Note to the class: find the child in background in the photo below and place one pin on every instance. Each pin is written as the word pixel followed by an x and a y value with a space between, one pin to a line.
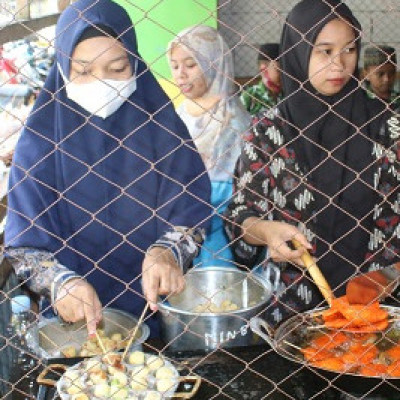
pixel 380 74
pixel 267 92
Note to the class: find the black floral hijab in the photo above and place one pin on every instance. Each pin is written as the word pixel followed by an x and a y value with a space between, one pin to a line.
pixel 333 136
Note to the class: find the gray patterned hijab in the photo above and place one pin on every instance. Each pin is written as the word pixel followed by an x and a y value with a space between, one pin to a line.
pixel 217 132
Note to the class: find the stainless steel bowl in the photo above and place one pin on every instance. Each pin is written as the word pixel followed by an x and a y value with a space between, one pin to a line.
pixel 50 336
pixel 182 328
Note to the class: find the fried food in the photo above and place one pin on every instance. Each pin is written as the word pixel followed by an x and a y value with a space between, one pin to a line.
pixel 91 346
pixel 362 345
pixel 225 306
pixel 355 317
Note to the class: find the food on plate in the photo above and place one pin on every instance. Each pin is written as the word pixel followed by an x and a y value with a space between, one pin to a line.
pixel 102 390
pixel 153 396
pixel 136 357
pixel 75 387
pixel 119 393
pixel 80 396
pixel 165 373
pixel 139 384
pixel 140 371
pixel 154 362
pixel 93 365
pixel 70 352
pixel 165 385
pixel 355 317
pixel 91 346
pixel 225 306
pixel 110 377
pixel 367 354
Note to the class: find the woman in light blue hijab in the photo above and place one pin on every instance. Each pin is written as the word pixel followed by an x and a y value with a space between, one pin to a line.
pixel 202 67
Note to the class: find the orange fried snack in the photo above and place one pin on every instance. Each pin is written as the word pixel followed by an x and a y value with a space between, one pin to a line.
pixel 312 354
pixel 373 369
pixel 394 353
pixel 355 317
pixel 329 341
pixel 332 363
pixel 359 354
pixel 394 369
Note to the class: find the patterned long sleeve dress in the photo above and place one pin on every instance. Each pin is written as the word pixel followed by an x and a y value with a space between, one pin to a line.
pixel 273 185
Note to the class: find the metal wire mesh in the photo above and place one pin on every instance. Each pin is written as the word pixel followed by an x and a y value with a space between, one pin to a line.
pixel 250 368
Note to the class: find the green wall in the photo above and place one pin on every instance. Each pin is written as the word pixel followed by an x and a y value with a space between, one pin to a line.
pixel 157 22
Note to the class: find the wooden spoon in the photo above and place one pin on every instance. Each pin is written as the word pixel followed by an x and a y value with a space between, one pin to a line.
pixel 315 273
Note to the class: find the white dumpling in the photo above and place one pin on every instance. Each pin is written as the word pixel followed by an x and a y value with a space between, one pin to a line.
pixel 165 385
pixel 154 362
pixel 80 396
pixel 136 358
pixel 139 384
pixel 140 371
pixel 119 379
pixel 98 377
pixel 102 390
pixel 153 396
pixel 93 365
pixel 72 375
pixel 165 373
pixel 75 388
pixel 119 393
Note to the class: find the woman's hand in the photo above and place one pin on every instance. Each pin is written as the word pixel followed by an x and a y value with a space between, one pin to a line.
pixel 77 300
pixel 161 275
pixel 275 235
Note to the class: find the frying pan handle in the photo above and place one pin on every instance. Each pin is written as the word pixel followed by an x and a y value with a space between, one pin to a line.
pixel 195 380
pixel 58 368
pixel 258 326
pixel 315 273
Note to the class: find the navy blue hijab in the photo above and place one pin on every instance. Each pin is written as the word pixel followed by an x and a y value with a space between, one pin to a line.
pixel 98 192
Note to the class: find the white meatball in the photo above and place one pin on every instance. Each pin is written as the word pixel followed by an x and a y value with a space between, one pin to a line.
pixel 165 373
pixel 98 377
pixel 136 358
pixel 154 362
pixel 139 384
pixel 165 385
pixel 102 390
pixel 93 366
pixel 153 396
pixel 119 393
pixel 75 388
pixel 80 396
pixel 140 371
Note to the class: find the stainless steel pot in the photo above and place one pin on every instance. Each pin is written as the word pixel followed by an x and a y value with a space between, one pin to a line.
pixel 182 328
pixel 292 334
pixel 49 337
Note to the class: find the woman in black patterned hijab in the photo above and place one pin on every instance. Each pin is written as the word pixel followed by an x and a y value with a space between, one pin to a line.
pixel 310 172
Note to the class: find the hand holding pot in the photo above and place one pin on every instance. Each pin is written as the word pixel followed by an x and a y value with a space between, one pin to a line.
pixel 161 275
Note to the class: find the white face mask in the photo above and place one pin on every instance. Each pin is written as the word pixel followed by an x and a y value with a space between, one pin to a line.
pixel 100 97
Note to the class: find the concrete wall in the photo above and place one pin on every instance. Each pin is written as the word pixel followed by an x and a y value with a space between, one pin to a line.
pixel 245 24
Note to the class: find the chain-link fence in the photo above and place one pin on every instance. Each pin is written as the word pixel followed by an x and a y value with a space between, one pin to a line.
pixel 114 206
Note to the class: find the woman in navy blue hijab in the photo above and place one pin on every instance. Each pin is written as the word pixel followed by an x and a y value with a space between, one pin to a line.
pixel 107 192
